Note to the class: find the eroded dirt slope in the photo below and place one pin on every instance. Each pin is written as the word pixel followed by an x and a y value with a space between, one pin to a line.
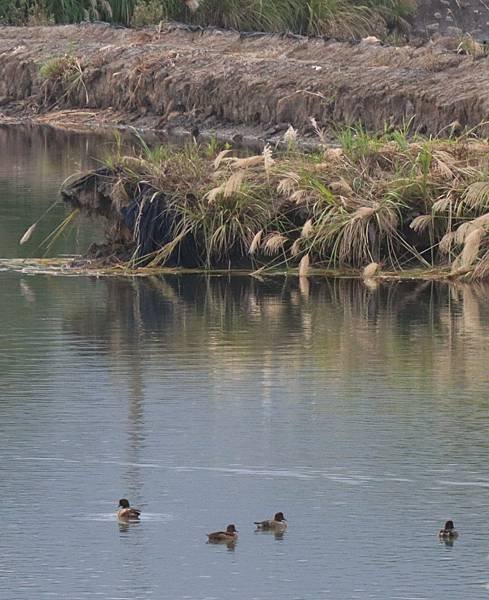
pixel 179 77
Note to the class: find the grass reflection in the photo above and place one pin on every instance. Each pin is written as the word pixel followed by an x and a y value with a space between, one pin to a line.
pixel 433 332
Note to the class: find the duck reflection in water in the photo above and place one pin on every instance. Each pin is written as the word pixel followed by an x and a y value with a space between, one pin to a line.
pixel 123 527
pixel 230 544
pixel 126 526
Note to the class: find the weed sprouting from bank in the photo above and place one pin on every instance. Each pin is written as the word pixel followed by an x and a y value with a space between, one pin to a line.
pixel 385 200
pixel 63 80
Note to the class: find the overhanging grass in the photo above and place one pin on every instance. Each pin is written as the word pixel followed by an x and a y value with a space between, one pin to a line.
pixel 402 203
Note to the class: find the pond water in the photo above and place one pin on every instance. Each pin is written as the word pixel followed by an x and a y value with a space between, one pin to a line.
pixel 362 414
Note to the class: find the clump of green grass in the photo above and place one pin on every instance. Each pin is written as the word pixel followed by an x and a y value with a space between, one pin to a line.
pixel 63 79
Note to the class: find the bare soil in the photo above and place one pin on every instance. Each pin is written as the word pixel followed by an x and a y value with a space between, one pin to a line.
pixel 245 85
pixel 452 17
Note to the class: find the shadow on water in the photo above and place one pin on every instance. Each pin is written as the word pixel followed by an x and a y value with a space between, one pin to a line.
pixel 341 323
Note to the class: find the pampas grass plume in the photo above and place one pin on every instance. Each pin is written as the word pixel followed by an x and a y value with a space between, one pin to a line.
pixel 296 247
pixel 371 270
pixel 274 243
pixel 364 212
pixel 255 242
pixel 267 158
pixel 233 184
pixel 219 157
pixel 307 228
pixel 28 234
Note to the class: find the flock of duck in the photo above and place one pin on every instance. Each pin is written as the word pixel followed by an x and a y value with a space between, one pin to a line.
pixel 277 525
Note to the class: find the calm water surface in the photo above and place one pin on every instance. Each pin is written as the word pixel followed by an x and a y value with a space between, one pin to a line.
pixel 362 414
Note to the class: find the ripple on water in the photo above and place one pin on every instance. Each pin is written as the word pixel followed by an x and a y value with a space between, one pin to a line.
pixel 145 516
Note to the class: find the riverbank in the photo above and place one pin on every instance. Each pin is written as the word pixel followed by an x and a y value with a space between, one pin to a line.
pixel 254 85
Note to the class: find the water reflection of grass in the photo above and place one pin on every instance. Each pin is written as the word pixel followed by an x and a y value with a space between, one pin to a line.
pixel 432 334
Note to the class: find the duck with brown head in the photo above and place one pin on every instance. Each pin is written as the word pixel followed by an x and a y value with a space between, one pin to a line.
pixel 448 531
pixel 228 536
pixel 126 512
pixel 278 523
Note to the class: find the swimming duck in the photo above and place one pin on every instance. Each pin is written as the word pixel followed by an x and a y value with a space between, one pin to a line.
pixel 448 531
pixel 278 523
pixel 230 535
pixel 126 512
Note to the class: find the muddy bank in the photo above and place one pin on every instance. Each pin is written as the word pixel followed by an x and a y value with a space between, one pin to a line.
pixel 212 79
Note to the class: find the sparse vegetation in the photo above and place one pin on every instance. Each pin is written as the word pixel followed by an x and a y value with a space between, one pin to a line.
pixel 384 199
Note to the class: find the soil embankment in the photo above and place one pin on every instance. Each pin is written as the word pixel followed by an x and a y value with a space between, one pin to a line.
pixel 257 83
pixel 452 17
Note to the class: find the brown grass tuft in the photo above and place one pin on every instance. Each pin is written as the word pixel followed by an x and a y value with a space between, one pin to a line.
pixel 287 185
pixel 212 194
pixel 419 224
pixel 307 228
pixel 296 247
pixel 233 184
pixel 268 161
pixel 255 242
pixel 244 163
pixel 364 212
pixel 219 157
pixel 274 243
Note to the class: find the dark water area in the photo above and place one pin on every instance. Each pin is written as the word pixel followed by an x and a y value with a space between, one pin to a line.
pixel 361 413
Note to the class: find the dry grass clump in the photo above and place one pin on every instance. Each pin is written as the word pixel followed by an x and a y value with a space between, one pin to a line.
pixel 383 199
